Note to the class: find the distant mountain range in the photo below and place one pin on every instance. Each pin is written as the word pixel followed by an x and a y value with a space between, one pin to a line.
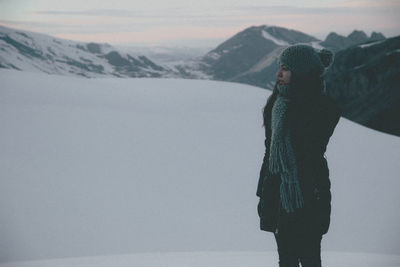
pixel 23 50
pixel 337 42
pixel 364 77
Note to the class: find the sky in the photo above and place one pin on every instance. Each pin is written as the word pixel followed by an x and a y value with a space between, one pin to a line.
pixel 193 22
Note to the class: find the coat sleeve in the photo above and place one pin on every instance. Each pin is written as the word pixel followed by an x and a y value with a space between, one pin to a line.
pixel 329 124
pixel 264 168
pixel 323 184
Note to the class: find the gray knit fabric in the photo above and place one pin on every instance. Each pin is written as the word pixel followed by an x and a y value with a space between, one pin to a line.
pixel 302 59
pixel 282 159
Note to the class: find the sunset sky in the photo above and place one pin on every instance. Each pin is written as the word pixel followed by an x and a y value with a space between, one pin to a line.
pixel 194 22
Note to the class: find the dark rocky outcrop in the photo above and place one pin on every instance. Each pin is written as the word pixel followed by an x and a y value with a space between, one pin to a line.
pixel 365 81
pixel 338 42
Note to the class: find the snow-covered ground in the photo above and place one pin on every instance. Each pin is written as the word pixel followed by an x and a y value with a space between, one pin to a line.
pixel 211 259
pixel 141 166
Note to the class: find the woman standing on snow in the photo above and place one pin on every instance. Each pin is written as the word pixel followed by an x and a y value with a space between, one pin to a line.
pixel 294 185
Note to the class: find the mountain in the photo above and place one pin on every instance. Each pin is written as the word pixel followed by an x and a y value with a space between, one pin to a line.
pixel 168 56
pixel 250 55
pixel 337 42
pixel 375 36
pixel 365 81
pixel 24 50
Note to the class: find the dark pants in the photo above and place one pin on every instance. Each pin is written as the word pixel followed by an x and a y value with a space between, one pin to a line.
pixel 298 244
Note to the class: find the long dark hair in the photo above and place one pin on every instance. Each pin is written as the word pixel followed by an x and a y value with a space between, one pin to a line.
pixel 270 101
pixel 306 89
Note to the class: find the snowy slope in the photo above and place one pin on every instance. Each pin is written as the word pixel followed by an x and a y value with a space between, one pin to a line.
pixel 30 51
pixel 211 259
pixel 110 166
pixel 268 36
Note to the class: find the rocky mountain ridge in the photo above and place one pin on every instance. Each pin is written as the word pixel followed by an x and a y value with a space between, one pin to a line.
pixel 338 42
pixel 23 50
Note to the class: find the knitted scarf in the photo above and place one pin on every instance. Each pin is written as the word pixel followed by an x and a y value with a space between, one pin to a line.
pixel 282 159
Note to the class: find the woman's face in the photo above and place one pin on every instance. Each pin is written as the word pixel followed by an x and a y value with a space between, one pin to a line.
pixel 283 74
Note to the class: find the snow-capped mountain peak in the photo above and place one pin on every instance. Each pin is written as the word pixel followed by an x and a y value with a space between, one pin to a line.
pixel 277 41
pixel 23 50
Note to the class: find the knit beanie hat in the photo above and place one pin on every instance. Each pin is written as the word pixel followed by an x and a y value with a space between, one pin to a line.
pixel 303 59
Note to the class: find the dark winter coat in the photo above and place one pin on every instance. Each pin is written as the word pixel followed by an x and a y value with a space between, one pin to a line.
pixel 312 125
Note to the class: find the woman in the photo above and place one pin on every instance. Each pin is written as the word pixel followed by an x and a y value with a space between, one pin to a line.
pixel 294 185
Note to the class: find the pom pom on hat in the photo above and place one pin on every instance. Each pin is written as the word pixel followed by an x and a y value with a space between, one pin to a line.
pixel 326 57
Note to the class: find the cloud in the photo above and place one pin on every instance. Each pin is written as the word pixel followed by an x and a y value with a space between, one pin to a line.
pixel 74 26
pixel 164 22
pixel 346 7
pixel 296 10
pixel 92 12
pixel 31 23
